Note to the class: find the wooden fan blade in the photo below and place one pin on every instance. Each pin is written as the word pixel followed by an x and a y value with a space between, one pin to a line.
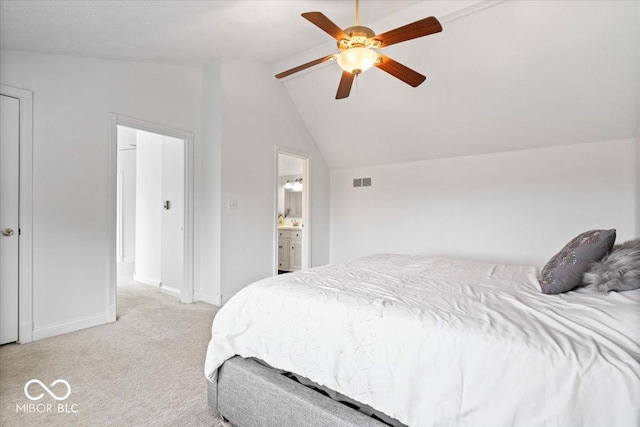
pixel 420 28
pixel 397 70
pixel 303 66
pixel 344 88
pixel 325 24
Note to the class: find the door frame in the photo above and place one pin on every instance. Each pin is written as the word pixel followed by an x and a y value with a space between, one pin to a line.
pixel 306 205
pixel 25 214
pixel 186 290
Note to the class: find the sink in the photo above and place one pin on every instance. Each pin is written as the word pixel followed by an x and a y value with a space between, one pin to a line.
pixel 290 227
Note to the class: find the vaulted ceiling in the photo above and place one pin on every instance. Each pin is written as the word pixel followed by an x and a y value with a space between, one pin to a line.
pixel 500 76
pixel 516 75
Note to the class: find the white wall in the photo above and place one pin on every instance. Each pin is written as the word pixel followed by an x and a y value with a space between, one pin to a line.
pixel 515 207
pixel 257 115
pixel 127 170
pixel 172 239
pixel 159 237
pixel 72 101
pixel 638 171
pixel 73 98
pixel 208 173
pixel 149 208
pixel 638 150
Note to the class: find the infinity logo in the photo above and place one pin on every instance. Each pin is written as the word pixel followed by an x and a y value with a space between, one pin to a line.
pixel 45 388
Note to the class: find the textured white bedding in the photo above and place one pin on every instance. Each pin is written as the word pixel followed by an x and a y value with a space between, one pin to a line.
pixel 435 341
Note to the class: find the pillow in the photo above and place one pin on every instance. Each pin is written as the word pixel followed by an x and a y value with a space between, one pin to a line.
pixel 564 271
pixel 618 271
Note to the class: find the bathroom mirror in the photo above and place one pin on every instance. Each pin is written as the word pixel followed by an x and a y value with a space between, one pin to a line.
pixel 292 204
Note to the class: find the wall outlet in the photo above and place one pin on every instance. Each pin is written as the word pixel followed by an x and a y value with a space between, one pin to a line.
pixel 233 204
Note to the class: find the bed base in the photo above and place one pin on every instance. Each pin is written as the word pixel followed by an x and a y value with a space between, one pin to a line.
pixel 248 394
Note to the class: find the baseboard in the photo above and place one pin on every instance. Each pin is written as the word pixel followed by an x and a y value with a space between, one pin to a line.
pixel 158 285
pixel 170 291
pixel 208 298
pixel 69 326
pixel 25 333
pixel 147 280
pixel 111 313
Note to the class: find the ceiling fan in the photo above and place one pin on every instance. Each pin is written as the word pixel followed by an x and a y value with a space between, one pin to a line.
pixel 357 54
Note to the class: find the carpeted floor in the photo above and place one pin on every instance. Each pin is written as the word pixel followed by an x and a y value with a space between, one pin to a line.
pixel 145 369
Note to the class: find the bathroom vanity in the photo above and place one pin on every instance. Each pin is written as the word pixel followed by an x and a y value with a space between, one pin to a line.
pixel 289 248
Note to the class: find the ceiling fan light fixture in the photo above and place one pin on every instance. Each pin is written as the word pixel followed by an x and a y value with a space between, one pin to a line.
pixel 356 45
pixel 357 59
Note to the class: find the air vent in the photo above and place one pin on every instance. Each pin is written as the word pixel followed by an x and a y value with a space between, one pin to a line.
pixel 362 182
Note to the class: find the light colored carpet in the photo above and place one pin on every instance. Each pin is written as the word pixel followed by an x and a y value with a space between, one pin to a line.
pixel 144 369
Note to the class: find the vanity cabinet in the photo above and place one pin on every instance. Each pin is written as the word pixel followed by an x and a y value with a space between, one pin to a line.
pixel 295 257
pixel 283 253
pixel 289 250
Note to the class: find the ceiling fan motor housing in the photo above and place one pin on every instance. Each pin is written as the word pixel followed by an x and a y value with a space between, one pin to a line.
pixel 360 36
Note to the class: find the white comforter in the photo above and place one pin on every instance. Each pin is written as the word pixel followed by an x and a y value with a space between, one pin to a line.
pixel 436 341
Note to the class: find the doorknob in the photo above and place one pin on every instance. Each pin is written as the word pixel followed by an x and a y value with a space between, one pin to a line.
pixel 7 231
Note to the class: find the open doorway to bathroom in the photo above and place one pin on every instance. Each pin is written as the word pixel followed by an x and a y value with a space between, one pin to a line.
pixel 292 208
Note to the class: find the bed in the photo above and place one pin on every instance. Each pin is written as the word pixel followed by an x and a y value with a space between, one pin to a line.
pixel 426 341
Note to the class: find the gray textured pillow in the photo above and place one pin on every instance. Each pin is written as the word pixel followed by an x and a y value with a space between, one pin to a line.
pixel 618 271
pixel 564 271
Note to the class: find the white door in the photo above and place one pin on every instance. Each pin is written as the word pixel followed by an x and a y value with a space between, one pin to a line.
pixel 172 265
pixel 9 190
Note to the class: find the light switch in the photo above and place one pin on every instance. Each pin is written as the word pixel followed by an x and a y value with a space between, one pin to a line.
pixel 233 204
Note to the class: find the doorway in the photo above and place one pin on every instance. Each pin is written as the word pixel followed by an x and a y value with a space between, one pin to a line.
pixel 16 324
pixel 292 212
pixel 153 200
pixel 9 217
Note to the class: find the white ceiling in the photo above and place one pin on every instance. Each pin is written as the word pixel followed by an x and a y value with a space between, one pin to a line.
pixel 184 32
pixel 515 75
